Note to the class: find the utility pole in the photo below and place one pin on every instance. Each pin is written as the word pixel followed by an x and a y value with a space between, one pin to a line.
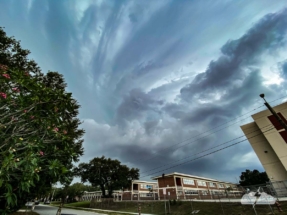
pixel 274 113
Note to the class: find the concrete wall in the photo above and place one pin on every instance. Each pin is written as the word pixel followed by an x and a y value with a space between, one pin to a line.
pixel 269 145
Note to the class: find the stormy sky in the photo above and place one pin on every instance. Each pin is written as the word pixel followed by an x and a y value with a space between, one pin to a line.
pixel 161 84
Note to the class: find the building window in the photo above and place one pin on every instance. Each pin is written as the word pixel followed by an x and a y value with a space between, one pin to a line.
pixel 191 192
pixel 220 185
pixel 211 184
pixel 188 181
pixel 146 186
pixel 217 192
pixel 204 192
pixel 179 193
pixel 146 195
pixel 201 183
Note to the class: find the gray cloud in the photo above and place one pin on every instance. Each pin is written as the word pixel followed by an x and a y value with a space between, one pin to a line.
pixel 283 66
pixel 237 56
pixel 126 62
pixel 137 103
pixel 154 135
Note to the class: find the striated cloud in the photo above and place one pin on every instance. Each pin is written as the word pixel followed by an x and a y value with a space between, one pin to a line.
pixel 160 82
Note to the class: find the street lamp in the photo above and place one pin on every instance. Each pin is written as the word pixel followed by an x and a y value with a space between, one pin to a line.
pixel 273 112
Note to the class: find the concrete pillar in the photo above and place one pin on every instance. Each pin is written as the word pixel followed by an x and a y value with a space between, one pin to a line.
pixel 208 189
pixel 182 188
pixel 175 186
pixel 132 191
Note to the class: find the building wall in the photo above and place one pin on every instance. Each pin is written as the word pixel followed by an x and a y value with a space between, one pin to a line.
pixel 265 153
pixel 269 145
pixel 185 187
pixel 166 182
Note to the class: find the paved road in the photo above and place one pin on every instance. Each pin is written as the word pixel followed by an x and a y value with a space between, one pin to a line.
pixel 51 210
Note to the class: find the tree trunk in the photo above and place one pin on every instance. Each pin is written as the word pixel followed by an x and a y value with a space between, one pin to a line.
pixel 103 190
pixel 110 193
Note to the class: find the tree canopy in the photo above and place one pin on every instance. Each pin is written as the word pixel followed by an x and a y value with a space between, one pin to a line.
pixel 72 191
pixel 106 173
pixel 253 178
pixel 39 134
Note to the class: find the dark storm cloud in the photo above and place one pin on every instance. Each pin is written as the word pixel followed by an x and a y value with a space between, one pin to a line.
pixel 150 126
pixel 155 32
pixel 136 76
pixel 110 50
pixel 283 66
pixel 237 55
pixel 177 111
pixel 238 83
pixel 249 91
pixel 108 32
pixel 60 30
pixel 53 38
pixel 235 77
pixel 135 104
pixel 165 163
pixel 230 104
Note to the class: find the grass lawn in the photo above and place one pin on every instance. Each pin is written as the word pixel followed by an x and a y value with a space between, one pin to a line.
pixel 183 208
pixel 85 204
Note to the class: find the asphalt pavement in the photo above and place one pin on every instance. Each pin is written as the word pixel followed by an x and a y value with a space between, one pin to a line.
pixel 51 210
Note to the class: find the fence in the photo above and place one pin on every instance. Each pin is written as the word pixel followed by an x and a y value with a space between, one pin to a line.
pixel 179 207
pixel 172 195
pixel 277 189
pixel 226 202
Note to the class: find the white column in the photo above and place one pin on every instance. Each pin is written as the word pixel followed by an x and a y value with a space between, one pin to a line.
pixel 209 190
pixel 195 181
pixel 132 190
pixel 175 186
pixel 182 188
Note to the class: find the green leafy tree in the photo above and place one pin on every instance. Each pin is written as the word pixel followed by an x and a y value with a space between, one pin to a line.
pixel 253 178
pixel 39 135
pixel 73 191
pixel 106 173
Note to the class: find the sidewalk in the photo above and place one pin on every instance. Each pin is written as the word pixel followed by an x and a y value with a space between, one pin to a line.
pixel 111 211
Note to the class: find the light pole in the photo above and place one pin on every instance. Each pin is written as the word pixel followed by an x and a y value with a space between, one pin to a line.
pixel 274 113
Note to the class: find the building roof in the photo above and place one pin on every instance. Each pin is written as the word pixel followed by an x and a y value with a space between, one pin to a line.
pixel 191 176
pixel 144 182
